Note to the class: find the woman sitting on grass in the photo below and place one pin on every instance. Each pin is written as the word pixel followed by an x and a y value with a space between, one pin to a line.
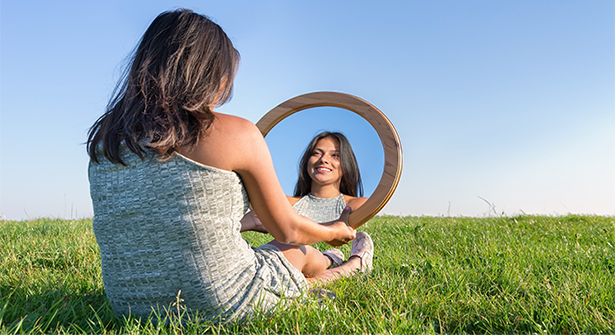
pixel 170 180
pixel 329 179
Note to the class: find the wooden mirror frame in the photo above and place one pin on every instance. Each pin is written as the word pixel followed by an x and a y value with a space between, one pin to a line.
pixel 393 158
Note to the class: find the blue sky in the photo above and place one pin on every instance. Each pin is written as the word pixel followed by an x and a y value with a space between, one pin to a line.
pixel 513 102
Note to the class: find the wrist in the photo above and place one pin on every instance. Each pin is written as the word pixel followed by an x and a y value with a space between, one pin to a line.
pixel 333 232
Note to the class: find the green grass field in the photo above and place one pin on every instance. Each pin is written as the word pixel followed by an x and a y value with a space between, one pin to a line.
pixel 524 274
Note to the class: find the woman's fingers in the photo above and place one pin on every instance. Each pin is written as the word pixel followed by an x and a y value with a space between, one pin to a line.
pixel 345 232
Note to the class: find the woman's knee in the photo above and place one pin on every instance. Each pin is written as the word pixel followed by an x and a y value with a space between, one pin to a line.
pixel 295 254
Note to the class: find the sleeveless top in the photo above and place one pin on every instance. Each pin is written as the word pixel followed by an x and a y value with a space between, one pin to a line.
pixel 169 230
pixel 320 209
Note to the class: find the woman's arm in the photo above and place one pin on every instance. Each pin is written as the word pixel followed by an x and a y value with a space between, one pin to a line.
pixel 251 222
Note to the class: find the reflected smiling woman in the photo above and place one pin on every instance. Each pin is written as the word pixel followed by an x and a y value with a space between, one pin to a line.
pixel 329 180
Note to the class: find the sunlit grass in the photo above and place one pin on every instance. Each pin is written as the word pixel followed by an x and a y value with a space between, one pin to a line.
pixel 525 274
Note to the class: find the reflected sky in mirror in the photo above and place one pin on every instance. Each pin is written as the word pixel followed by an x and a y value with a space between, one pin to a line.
pixel 289 138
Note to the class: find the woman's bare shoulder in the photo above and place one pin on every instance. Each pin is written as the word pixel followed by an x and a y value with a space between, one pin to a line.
pixel 233 131
pixel 354 202
pixel 292 200
pixel 226 143
pixel 232 123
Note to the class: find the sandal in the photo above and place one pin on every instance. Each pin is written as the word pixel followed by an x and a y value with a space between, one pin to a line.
pixel 335 255
pixel 363 247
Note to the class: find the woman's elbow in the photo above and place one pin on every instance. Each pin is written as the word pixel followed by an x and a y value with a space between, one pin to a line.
pixel 288 236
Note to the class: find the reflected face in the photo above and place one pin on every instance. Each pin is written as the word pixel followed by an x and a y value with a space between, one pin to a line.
pixel 324 166
pixel 288 139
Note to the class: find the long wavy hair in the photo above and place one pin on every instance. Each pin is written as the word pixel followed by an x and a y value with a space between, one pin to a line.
pixel 350 184
pixel 183 66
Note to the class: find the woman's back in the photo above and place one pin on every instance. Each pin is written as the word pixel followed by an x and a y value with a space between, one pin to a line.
pixel 168 226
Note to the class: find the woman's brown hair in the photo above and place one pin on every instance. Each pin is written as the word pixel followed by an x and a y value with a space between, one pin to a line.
pixel 183 65
pixel 350 184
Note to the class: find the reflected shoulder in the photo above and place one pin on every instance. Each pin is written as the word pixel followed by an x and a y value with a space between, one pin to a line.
pixel 354 202
pixel 292 200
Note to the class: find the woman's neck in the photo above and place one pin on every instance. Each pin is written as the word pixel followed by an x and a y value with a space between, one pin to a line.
pixel 324 191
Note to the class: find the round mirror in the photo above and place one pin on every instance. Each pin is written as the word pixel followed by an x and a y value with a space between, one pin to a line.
pixel 389 142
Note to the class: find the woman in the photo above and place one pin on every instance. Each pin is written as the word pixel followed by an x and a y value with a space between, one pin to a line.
pixel 329 180
pixel 170 180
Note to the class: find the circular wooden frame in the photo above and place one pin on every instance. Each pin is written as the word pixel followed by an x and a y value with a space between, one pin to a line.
pixel 393 158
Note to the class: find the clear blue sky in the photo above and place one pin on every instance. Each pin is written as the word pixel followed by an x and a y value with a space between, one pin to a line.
pixel 511 101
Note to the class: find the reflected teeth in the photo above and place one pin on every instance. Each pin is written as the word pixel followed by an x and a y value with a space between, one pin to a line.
pixel 323 169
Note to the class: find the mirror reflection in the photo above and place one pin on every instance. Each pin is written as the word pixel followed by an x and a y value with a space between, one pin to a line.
pixel 289 140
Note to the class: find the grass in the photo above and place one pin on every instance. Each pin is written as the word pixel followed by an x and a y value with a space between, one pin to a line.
pixel 524 274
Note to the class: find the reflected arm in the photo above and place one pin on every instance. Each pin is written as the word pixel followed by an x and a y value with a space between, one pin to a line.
pixel 251 222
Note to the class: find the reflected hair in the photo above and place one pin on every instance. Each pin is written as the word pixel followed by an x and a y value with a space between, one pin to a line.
pixel 183 65
pixel 350 184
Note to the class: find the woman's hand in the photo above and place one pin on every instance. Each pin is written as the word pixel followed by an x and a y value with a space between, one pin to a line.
pixel 344 233
pixel 251 222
